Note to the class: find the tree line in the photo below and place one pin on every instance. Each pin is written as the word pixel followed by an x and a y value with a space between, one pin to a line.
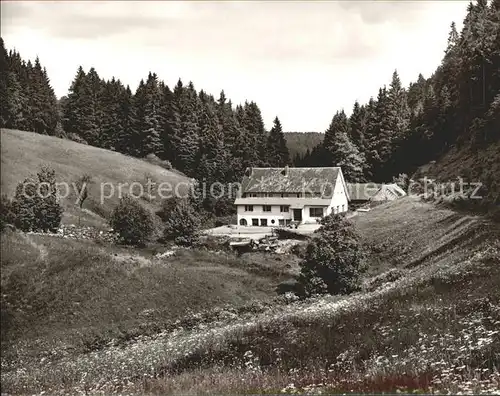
pixel 206 138
pixel 402 129
pixel 212 140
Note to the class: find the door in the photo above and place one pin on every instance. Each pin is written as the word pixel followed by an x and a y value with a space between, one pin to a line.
pixel 297 214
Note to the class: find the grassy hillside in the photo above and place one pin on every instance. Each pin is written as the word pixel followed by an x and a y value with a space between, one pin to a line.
pixel 22 154
pixel 473 165
pixel 63 294
pixel 427 319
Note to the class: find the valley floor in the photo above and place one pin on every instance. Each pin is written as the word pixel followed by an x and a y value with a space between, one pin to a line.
pixel 428 318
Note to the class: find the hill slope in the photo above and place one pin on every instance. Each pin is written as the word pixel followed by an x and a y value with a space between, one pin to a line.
pixel 23 153
pixel 427 321
pixel 481 165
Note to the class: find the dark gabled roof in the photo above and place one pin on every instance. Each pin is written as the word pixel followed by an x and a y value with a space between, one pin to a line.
pixel 290 180
pixel 292 202
pixel 362 191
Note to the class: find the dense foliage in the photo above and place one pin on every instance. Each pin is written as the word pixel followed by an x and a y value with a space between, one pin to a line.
pixel 6 214
pixel 132 222
pixel 206 138
pixel 211 140
pixel 300 144
pixel 334 260
pixel 402 129
pixel 181 222
pixel 36 205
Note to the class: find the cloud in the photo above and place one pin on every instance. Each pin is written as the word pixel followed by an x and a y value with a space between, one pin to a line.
pixel 287 56
pixel 92 19
pixel 380 11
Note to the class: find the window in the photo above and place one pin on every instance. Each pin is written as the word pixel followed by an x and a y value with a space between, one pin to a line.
pixel 266 208
pixel 263 222
pixel 315 212
pixel 281 222
pixel 243 222
pixel 273 221
pixel 283 208
pixel 338 209
pixel 255 222
pixel 248 208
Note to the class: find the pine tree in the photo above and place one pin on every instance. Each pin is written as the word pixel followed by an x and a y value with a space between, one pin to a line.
pixel 357 122
pixel 170 124
pixel 342 151
pixel 151 132
pixel 93 92
pixel 186 142
pixel 5 111
pixel 42 102
pixel 73 106
pixel 111 121
pixel 277 149
pixel 257 135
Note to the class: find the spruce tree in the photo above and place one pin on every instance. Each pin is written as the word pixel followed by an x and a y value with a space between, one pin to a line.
pixel 151 134
pixel 170 124
pixel 5 111
pixel 73 106
pixel 277 149
pixel 342 151
pixel 185 142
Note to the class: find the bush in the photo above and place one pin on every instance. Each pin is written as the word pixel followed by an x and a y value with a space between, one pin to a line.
pixel 76 138
pixel 286 233
pixel 6 212
pixel 132 222
pixel 333 261
pixel 36 204
pixel 181 224
pixel 155 160
pixel 167 207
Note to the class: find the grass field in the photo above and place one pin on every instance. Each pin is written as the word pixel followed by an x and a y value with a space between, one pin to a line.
pixel 23 153
pixel 84 320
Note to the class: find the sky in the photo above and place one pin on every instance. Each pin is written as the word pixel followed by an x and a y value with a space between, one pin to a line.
pixel 298 60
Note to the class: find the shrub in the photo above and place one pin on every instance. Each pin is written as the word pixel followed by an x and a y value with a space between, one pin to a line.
pixel 76 138
pixel 181 224
pixel 155 160
pixel 36 204
pixel 167 207
pixel 286 233
pixel 333 261
pixel 6 212
pixel 132 222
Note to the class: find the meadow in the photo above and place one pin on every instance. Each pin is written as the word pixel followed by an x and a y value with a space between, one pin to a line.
pixel 23 153
pixel 197 322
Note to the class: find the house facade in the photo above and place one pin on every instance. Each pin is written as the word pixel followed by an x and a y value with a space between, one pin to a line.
pixel 282 196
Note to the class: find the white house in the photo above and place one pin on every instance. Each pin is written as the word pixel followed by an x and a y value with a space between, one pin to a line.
pixel 278 196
